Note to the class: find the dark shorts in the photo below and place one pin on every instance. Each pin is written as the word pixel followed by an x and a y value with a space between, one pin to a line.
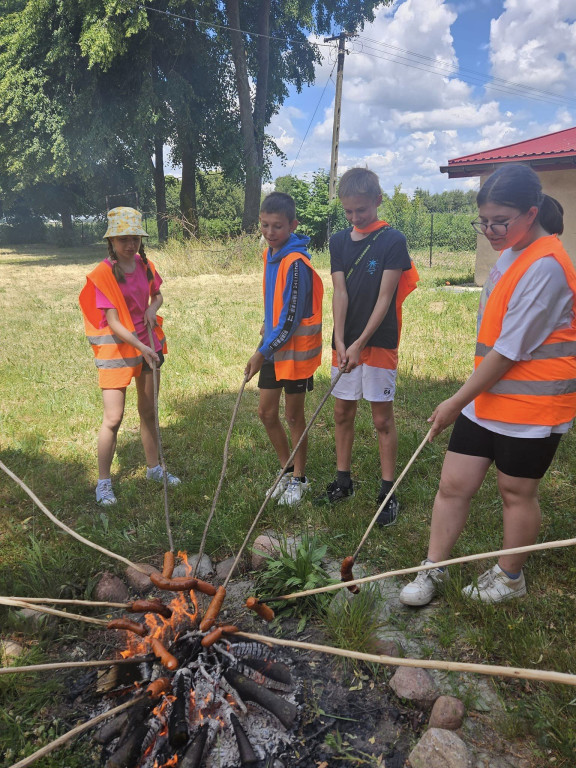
pixel 514 456
pixel 146 368
pixel 268 380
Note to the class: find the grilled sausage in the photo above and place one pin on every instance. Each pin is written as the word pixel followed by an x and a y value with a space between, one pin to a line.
pixel 347 575
pixel 150 606
pixel 261 609
pixel 169 661
pixel 213 610
pixel 168 566
pixel 205 587
pixel 158 687
pixel 130 626
pixel 212 637
pixel 178 584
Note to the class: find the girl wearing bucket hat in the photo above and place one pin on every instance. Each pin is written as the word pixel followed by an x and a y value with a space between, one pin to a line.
pixel 119 302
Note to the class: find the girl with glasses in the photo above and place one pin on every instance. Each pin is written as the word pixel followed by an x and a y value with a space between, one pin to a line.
pixel 521 397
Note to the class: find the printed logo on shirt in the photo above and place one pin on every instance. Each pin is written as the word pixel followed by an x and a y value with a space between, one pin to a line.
pixel 372 266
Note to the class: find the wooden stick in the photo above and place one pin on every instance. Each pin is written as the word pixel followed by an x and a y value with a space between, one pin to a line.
pixel 64 527
pixel 159 438
pixel 273 488
pixel 222 475
pixel 453 666
pixel 88 725
pixel 426 567
pixel 51 600
pixel 390 492
pixel 52 611
pixel 71 665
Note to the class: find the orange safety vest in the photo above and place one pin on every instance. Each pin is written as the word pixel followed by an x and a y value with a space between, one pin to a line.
pixel 302 353
pixel 541 390
pixel 117 361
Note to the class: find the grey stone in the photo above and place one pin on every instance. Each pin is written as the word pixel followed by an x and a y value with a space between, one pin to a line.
pixel 36 618
pixel 440 749
pixel 264 545
pixel 10 650
pixel 383 647
pixel 139 581
pixel 448 713
pixel 414 684
pixel 111 589
pixel 225 566
pixel 205 567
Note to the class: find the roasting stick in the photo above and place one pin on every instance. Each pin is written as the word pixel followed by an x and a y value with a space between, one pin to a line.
pixel 52 611
pixel 64 527
pixel 426 567
pixel 222 475
pixel 62 601
pixel 348 562
pixel 160 451
pixel 87 726
pixel 453 666
pixel 72 665
pixel 273 488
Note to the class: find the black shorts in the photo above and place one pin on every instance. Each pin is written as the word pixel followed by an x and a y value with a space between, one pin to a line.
pixel 146 368
pixel 514 456
pixel 268 380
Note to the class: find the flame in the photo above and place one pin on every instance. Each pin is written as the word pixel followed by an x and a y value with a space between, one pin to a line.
pixel 172 761
pixel 184 557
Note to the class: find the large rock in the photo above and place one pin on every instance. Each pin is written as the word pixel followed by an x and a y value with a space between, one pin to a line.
pixel 440 749
pixel 224 567
pixel 414 684
pixel 9 651
pixel 140 582
pixel 264 545
pixel 381 647
pixel 448 713
pixel 111 589
pixel 205 567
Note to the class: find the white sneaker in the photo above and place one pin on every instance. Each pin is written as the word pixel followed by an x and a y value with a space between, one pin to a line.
pixel 282 485
pixel 294 492
pixel 423 588
pixel 494 587
pixel 155 473
pixel 104 493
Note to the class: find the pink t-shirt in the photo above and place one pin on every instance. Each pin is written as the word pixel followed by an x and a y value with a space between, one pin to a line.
pixel 137 296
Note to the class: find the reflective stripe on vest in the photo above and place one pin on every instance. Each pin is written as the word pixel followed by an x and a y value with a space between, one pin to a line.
pixel 302 353
pixel 541 390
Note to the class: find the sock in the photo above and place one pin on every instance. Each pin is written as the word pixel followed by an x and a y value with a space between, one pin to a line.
pixel 343 479
pixel 512 576
pixel 289 469
pixel 385 487
pixel 440 569
pixel 302 479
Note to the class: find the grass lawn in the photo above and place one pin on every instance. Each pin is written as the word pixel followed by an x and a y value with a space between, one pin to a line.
pixel 50 411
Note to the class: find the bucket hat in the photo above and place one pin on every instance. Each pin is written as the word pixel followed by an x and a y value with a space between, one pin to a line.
pixel 124 221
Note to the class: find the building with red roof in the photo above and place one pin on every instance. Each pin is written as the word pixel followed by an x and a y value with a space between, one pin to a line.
pixel 552 156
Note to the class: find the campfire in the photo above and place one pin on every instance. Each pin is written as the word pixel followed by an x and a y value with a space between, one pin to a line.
pixel 211 701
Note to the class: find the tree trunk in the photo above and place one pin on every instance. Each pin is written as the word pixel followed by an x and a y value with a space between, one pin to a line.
pixel 67 227
pixel 252 165
pixel 262 80
pixel 160 190
pixel 188 206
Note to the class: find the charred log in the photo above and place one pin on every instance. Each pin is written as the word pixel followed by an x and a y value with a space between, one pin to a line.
pixel 178 721
pixel 192 758
pixel 285 711
pixel 112 729
pixel 247 755
pixel 273 670
pixel 129 749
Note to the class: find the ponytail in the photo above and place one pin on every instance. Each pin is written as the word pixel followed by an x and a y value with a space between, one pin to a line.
pixel 551 215
pixel 117 270
pixel 144 258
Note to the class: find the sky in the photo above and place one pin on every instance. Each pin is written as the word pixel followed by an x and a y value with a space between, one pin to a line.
pixel 429 81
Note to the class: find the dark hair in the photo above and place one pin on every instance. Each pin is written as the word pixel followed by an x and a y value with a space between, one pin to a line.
pixel 518 186
pixel 359 181
pixel 279 202
pixel 117 270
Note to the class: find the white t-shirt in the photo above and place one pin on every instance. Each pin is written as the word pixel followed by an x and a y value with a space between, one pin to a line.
pixel 541 303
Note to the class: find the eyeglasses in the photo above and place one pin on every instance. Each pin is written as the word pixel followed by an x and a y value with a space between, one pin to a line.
pixel 500 228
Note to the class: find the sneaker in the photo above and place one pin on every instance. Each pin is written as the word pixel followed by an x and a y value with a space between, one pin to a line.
pixel 294 491
pixel 155 473
pixel 390 512
pixel 104 493
pixel 423 588
pixel 282 485
pixel 335 493
pixel 494 587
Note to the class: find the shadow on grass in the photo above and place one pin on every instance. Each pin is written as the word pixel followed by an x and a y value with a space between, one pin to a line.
pixel 52 256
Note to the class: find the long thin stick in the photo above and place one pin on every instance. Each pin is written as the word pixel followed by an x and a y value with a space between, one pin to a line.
pixel 389 495
pixel 222 475
pixel 64 527
pixel 52 611
pixel 426 567
pixel 284 468
pixel 87 726
pixel 61 601
pixel 453 666
pixel 71 665
pixel 159 438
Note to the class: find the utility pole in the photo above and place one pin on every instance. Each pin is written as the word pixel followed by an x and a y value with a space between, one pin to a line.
pixel 337 110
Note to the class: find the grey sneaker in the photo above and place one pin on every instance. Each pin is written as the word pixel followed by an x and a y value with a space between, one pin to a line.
pixel 155 473
pixel 495 587
pixel 423 588
pixel 282 485
pixel 294 492
pixel 104 493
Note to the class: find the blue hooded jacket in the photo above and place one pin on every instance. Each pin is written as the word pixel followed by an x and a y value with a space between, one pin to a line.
pixel 297 292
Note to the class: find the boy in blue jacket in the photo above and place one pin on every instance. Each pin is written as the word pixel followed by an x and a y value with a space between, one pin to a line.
pixel 291 345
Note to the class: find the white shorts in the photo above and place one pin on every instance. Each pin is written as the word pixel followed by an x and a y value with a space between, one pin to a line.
pixel 377 385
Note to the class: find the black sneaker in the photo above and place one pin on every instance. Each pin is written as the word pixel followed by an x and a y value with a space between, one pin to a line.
pixel 335 493
pixel 390 512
